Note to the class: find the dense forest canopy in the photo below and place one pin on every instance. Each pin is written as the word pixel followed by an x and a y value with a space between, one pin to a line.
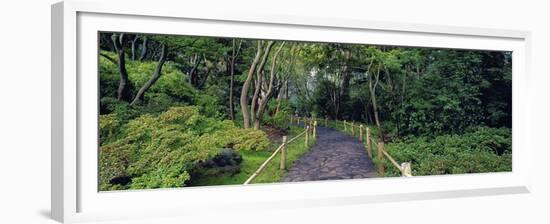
pixel 214 86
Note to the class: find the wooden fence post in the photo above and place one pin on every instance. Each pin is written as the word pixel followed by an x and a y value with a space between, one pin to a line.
pixel 290 119
pixel 406 169
pixel 310 127
pixel 369 143
pixel 380 157
pixel 315 129
pixel 307 136
pixel 345 129
pixel 326 122
pixel 361 133
pixel 352 130
pixel 283 155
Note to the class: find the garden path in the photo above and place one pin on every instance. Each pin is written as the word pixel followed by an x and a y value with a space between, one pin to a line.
pixel 334 156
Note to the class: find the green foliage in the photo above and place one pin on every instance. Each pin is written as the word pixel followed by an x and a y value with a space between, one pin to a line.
pixel 108 125
pixel 172 83
pixel 451 107
pixel 479 150
pixel 172 89
pixel 121 109
pixel 431 103
pixel 248 139
pixel 253 159
pixel 159 151
pixel 419 92
pixel 278 118
pixel 209 101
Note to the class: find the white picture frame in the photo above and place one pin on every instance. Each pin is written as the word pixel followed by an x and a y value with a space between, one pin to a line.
pixel 75 25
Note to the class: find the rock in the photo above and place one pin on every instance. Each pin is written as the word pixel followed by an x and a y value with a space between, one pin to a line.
pixel 227 157
pixel 227 161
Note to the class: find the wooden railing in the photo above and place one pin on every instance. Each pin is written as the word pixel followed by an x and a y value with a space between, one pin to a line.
pixel 309 131
pixel 364 130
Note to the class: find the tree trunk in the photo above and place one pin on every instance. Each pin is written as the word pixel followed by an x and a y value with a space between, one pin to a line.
pixel 202 81
pixel 257 88
pixel 269 93
pixel 282 95
pixel 143 49
pixel 108 58
pixel 231 104
pixel 372 90
pixel 154 77
pixel 195 61
pixel 246 87
pixel 259 81
pixel 118 43
pixel 234 54
pixel 231 74
pixel 134 47
pixel 346 77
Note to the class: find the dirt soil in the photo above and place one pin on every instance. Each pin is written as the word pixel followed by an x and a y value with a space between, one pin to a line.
pixel 275 134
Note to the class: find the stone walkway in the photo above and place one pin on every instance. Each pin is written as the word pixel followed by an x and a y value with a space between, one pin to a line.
pixel 334 156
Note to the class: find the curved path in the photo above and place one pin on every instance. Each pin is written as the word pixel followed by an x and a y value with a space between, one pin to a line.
pixel 334 156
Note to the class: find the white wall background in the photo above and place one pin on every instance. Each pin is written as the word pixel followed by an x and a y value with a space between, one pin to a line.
pixel 25 111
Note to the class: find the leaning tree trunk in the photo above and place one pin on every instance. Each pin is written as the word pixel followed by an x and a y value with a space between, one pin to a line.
pixel 282 95
pixel 269 93
pixel 257 87
pixel 246 87
pixel 259 82
pixel 154 77
pixel 118 43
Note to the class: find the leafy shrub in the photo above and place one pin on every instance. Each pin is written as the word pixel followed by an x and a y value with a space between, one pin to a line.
pixel 480 149
pixel 249 140
pixel 278 118
pixel 108 125
pixel 158 102
pixel 122 109
pixel 171 89
pixel 209 101
pixel 159 151
pixel 109 76
pixel 172 83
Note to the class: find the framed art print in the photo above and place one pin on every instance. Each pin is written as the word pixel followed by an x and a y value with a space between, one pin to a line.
pixel 164 113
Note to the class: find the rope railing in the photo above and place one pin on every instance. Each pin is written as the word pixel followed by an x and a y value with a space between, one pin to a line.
pixel 404 168
pixel 283 150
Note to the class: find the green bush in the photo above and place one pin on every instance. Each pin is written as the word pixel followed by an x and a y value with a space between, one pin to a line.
pixel 109 76
pixel 249 140
pixel 209 101
pixel 480 149
pixel 159 151
pixel 108 125
pixel 171 89
pixel 122 109
pixel 172 83
pixel 280 118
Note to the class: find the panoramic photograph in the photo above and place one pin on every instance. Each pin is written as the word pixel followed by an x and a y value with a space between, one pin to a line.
pixel 186 111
